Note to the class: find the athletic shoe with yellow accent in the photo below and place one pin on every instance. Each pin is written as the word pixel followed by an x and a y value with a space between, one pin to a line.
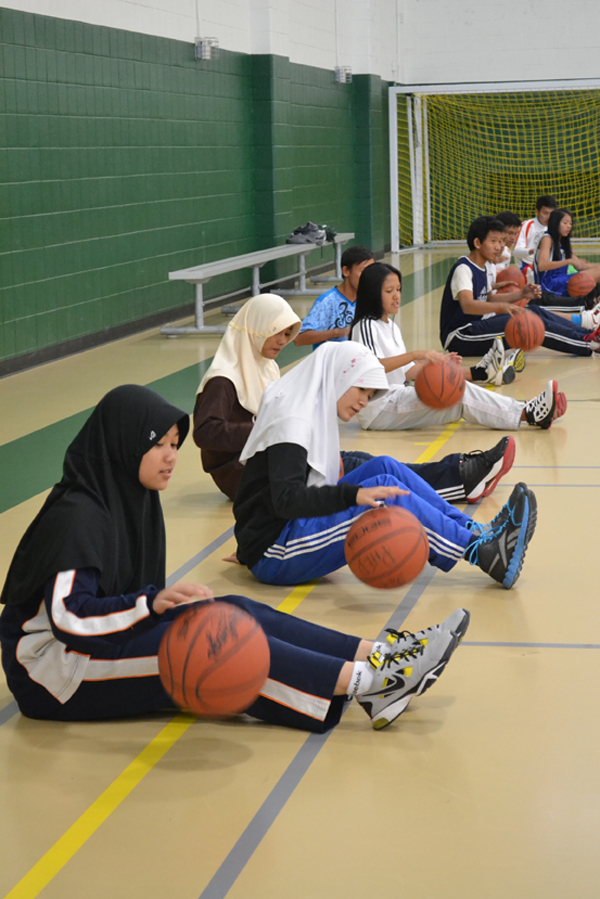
pixel 515 359
pixel 456 623
pixel 399 676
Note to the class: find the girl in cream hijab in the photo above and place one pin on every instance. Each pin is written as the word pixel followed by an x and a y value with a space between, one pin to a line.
pixel 229 394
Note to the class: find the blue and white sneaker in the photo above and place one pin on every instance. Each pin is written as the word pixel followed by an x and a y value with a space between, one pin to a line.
pixel 501 548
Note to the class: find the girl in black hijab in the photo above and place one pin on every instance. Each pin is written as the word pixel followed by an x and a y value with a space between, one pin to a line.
pixel 86 605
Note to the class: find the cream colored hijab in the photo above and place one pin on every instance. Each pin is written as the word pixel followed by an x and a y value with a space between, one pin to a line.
pixel 238 355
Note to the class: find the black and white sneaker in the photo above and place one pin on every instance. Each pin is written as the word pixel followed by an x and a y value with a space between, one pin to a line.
pixel 501 548
pixel 540 410
pixel 481 470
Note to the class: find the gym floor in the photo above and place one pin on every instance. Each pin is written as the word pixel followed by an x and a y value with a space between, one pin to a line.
pixel 488 786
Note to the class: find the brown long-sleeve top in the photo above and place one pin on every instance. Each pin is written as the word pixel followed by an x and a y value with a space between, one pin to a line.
pixel 221 428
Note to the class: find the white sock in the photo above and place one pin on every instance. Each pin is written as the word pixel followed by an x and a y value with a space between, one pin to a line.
pixel 360 679
pixel 381 647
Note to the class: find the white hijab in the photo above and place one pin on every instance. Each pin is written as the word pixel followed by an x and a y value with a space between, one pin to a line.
pixel 302 407
pixel 238 355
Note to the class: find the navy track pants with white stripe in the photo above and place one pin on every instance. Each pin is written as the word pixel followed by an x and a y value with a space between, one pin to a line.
pixel 306 660
pixel 443 475
pixel 476 338
pixel 309 548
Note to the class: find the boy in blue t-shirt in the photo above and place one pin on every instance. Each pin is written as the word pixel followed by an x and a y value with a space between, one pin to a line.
pixel 332 313
pixel 470 323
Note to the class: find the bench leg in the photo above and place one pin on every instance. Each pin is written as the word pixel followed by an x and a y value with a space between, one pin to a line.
pixel 199 327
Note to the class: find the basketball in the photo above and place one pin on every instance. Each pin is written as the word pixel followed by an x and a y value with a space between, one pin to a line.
pixel 511 273
pixel 387 547
pixel 525 331
pixel 580 285
pixel 440 385
pixel 341 474
pixel 213 660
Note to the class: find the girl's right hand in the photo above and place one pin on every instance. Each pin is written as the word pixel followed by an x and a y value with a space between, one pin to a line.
pixel 178 594
pixel 372 496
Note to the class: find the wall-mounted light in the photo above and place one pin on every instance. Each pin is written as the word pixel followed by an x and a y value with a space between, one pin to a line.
pixel 206 48
pixel 343 74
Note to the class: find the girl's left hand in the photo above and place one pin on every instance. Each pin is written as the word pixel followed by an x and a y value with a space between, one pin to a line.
pixel 372 496
pixel 454 357
pixel 178 594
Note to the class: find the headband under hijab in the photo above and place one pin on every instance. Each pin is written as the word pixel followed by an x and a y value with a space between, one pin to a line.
pixel 99 515
pixel 238 356
pixel 302 407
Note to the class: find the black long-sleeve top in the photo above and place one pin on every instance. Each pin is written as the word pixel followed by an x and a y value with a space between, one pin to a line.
pixel 221 428
pixel 273 491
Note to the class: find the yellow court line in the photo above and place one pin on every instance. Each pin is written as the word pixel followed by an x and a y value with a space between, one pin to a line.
pixel 86 825
pixel 293 600
pixel 438 443
pixel 65 848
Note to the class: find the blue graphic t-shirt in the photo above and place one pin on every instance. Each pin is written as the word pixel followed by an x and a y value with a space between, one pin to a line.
pixel 330 310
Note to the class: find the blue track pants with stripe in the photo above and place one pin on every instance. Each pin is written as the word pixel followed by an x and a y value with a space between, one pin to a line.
pixel 309 548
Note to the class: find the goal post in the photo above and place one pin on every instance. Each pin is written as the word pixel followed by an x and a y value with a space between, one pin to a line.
pixel 464 150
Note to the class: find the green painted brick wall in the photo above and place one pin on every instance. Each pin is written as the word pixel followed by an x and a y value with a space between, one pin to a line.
pixel 122 158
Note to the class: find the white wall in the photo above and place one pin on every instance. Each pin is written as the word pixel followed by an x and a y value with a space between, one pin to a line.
pixel 484 40
pixel 412 41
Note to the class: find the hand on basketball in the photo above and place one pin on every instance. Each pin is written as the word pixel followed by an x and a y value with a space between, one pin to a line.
pixel 454 357
pixel 432 356
pixel 372 496
pixel 180 593
pixel 508 308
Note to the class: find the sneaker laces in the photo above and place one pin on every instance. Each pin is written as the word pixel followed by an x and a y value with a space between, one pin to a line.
pixel 380 660
pixel 593 335
pixel 395 636
pixel 471 554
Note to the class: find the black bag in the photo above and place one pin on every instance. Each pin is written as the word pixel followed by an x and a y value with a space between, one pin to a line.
pixel 308 233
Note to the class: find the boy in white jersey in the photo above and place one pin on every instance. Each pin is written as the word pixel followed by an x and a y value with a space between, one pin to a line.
pixel 531 232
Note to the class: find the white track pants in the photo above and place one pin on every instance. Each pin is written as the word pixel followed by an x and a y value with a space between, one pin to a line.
pixel 401 409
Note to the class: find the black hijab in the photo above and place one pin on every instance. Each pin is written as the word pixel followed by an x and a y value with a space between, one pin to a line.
pixel 99 515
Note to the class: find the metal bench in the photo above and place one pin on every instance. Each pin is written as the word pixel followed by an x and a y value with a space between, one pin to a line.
pixel 201 274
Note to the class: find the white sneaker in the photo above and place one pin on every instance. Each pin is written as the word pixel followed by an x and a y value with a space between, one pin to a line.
pixel 590 318
pixel 492 362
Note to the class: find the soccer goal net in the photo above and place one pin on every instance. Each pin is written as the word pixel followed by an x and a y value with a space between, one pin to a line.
pixel 456 155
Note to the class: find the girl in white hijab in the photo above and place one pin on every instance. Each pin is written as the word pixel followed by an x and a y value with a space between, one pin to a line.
pixel 292 515
pixel 229 394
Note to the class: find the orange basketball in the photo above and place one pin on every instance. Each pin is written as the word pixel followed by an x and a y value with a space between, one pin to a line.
pixel 511 273
pixel 214 659
pixel 580 285
pixel 341 474
pixel 387 547
pixel 440 384
pixel 525 331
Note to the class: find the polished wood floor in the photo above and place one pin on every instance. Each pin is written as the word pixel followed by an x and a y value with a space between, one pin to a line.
pixel 487 787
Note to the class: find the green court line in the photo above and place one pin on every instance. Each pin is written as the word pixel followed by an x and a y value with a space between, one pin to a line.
pixel 33 463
